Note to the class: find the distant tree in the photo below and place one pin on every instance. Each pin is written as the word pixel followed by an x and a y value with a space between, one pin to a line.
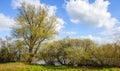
pixel 67 51
pixel 81 52
pixel 107 55
pixel 7 50
pixel 21 50
pixel 34 26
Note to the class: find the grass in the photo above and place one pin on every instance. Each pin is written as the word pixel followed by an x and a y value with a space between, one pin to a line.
pixel 25 67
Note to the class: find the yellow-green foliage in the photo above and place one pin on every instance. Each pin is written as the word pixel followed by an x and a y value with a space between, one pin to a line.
pixel 25 67
pixel 81 52
pixel 34 26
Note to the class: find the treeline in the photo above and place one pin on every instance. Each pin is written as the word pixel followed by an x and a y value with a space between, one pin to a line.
pixel 81 52
pixel 68 51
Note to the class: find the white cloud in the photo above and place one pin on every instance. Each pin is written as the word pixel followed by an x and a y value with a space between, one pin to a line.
pixel 113 32
pixel 70 33
pixel 17 3
pixel 98 40
pixel 95 13
pixel 60 24
pixel 51 10
pixel 5 22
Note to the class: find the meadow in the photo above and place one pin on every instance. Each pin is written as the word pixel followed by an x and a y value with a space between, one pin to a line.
pixel 25 67
pixel 37 33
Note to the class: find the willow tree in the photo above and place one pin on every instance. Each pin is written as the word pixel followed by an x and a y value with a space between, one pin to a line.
pixel 34 25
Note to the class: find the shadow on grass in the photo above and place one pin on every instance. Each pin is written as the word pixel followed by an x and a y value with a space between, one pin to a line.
pixel 53 67
pixel 81 68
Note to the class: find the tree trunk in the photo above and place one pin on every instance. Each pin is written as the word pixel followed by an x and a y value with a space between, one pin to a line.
pixel 30 59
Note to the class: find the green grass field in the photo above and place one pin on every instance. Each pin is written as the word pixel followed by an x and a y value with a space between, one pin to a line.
pixel 25 67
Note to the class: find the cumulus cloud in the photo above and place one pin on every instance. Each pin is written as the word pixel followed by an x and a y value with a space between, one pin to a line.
pixel 51 10
pixel 96 13
pixel 5 22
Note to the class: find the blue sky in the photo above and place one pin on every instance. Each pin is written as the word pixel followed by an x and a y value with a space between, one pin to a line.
pixel 94 19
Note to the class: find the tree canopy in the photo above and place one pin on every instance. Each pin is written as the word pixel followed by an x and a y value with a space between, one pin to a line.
pixel 34 25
